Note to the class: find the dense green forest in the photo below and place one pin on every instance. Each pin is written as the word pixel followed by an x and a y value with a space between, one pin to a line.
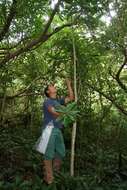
pixel 37 41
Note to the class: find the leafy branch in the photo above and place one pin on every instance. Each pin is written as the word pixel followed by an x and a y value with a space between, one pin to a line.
pixel 111 99
pixel 34 43
pixel 68 114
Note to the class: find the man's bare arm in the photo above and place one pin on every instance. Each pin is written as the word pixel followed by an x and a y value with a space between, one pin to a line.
pixel 70 96
pixel 53 112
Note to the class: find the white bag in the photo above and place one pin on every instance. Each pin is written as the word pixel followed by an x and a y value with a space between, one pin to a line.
pixel 43 140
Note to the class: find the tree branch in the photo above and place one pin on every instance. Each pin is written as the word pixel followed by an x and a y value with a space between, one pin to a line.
pixel 23 92
pixel 38 41
pixel 15 45
pixel 119 107
pixel 60 28
pixel 8 20
pixel 119 72
pixel 56 30
pixel 117 76
pixel 51 18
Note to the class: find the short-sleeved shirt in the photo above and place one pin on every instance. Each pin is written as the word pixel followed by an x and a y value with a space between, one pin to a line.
pixel 49 117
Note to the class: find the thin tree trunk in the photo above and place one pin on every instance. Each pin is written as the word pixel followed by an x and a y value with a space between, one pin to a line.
pixel 2 108
pixel 75 124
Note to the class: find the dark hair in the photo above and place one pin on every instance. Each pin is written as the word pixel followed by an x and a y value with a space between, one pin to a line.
pixel 45 91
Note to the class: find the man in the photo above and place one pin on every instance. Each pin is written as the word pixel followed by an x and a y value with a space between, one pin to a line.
pixel 55 150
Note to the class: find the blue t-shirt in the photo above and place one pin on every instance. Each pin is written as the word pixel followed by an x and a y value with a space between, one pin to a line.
pixel 49 117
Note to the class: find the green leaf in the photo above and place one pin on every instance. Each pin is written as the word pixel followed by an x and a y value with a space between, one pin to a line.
pixel 69 113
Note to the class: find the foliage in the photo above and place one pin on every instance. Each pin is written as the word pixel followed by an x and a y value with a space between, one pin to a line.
pixel 68 113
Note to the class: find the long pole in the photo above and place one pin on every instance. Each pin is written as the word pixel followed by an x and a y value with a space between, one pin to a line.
pixel 75 123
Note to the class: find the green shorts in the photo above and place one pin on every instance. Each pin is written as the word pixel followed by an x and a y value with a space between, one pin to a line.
pixel 55 147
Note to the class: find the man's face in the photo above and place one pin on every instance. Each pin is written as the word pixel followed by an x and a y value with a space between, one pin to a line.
pixel 52 89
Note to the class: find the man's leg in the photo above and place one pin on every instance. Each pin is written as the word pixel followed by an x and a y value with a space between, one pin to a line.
pixel 59 151
pixel 48 171
pixel 57 162
pixel 48 157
